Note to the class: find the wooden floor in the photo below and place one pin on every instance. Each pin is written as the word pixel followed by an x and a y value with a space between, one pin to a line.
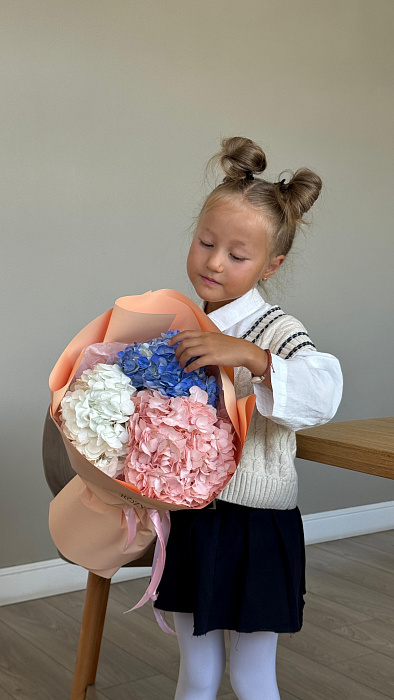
pixel 345 650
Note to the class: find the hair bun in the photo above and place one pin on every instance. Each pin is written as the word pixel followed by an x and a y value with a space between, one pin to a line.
pixel 240 157
pixel 298 195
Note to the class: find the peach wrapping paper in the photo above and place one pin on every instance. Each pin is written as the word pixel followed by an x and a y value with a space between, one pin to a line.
pixel 89 532
pixel 133 318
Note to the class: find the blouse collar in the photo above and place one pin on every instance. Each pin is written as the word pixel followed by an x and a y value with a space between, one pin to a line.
pixel 230 314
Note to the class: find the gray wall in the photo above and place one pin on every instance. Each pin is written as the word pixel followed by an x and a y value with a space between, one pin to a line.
pixel 109 112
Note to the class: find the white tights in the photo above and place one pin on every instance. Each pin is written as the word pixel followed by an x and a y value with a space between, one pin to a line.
pixel 203 660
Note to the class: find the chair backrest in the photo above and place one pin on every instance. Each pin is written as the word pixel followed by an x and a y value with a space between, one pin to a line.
pixel 57 468
pixel 58 472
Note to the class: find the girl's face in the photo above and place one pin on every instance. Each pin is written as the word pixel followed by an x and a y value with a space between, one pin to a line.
pixel 229 254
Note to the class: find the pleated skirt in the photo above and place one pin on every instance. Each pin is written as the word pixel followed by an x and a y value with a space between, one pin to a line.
pixel 236 568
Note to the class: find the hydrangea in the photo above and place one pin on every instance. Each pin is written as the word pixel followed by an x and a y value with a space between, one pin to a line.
pixel 179 452
pixel 154 365
pixel 95 414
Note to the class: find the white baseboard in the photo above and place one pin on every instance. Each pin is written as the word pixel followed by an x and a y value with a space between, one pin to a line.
pixel 348 522
pixel 46 578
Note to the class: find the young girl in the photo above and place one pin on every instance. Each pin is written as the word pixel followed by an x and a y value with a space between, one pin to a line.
pixel 239 563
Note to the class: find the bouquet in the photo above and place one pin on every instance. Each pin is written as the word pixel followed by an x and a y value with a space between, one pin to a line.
pixel 140 418
pixel 143 436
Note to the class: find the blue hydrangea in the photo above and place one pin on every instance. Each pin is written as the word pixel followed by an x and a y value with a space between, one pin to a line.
pixel 154 365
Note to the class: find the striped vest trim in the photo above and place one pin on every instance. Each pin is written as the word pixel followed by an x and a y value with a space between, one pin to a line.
pixel 287 343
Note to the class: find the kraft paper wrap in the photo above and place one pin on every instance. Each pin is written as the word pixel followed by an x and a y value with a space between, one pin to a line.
pixel 136 318
pixel 96 534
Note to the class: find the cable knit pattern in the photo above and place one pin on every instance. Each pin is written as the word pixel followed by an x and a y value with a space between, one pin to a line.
pixel 266 475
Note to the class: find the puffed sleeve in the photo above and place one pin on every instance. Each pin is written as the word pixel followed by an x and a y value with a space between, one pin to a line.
pixel 306 384
pixel 306 390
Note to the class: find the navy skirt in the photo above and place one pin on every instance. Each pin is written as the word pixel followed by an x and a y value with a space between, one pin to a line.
pixel 235 568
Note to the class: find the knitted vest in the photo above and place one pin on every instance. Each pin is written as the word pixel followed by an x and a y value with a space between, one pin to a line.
pixel 266 475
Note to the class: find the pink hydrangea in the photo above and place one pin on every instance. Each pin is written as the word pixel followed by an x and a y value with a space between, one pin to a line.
pixel 179 452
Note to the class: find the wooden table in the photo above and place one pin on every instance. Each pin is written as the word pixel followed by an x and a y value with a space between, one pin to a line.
pixel 361 445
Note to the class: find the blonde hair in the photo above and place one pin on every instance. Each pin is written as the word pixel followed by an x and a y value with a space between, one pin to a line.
pixel 282 204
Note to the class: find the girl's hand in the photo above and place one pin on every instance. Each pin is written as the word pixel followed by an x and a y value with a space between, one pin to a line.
pixel 218 349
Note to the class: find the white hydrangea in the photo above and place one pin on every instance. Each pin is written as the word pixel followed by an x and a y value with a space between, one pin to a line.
pixel 95 413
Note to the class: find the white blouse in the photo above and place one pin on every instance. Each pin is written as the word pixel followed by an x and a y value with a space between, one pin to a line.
pixel 306 389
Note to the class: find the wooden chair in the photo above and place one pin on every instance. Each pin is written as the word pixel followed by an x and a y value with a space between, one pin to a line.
pixel 58 472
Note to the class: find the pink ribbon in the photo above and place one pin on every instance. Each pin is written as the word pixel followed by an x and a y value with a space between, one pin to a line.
pixel 131 524
pixel 162 528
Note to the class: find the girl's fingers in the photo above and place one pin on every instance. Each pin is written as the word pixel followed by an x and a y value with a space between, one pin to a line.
pixel 195 351
pixel 199 362
pixel 183 335
pixel 208 349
